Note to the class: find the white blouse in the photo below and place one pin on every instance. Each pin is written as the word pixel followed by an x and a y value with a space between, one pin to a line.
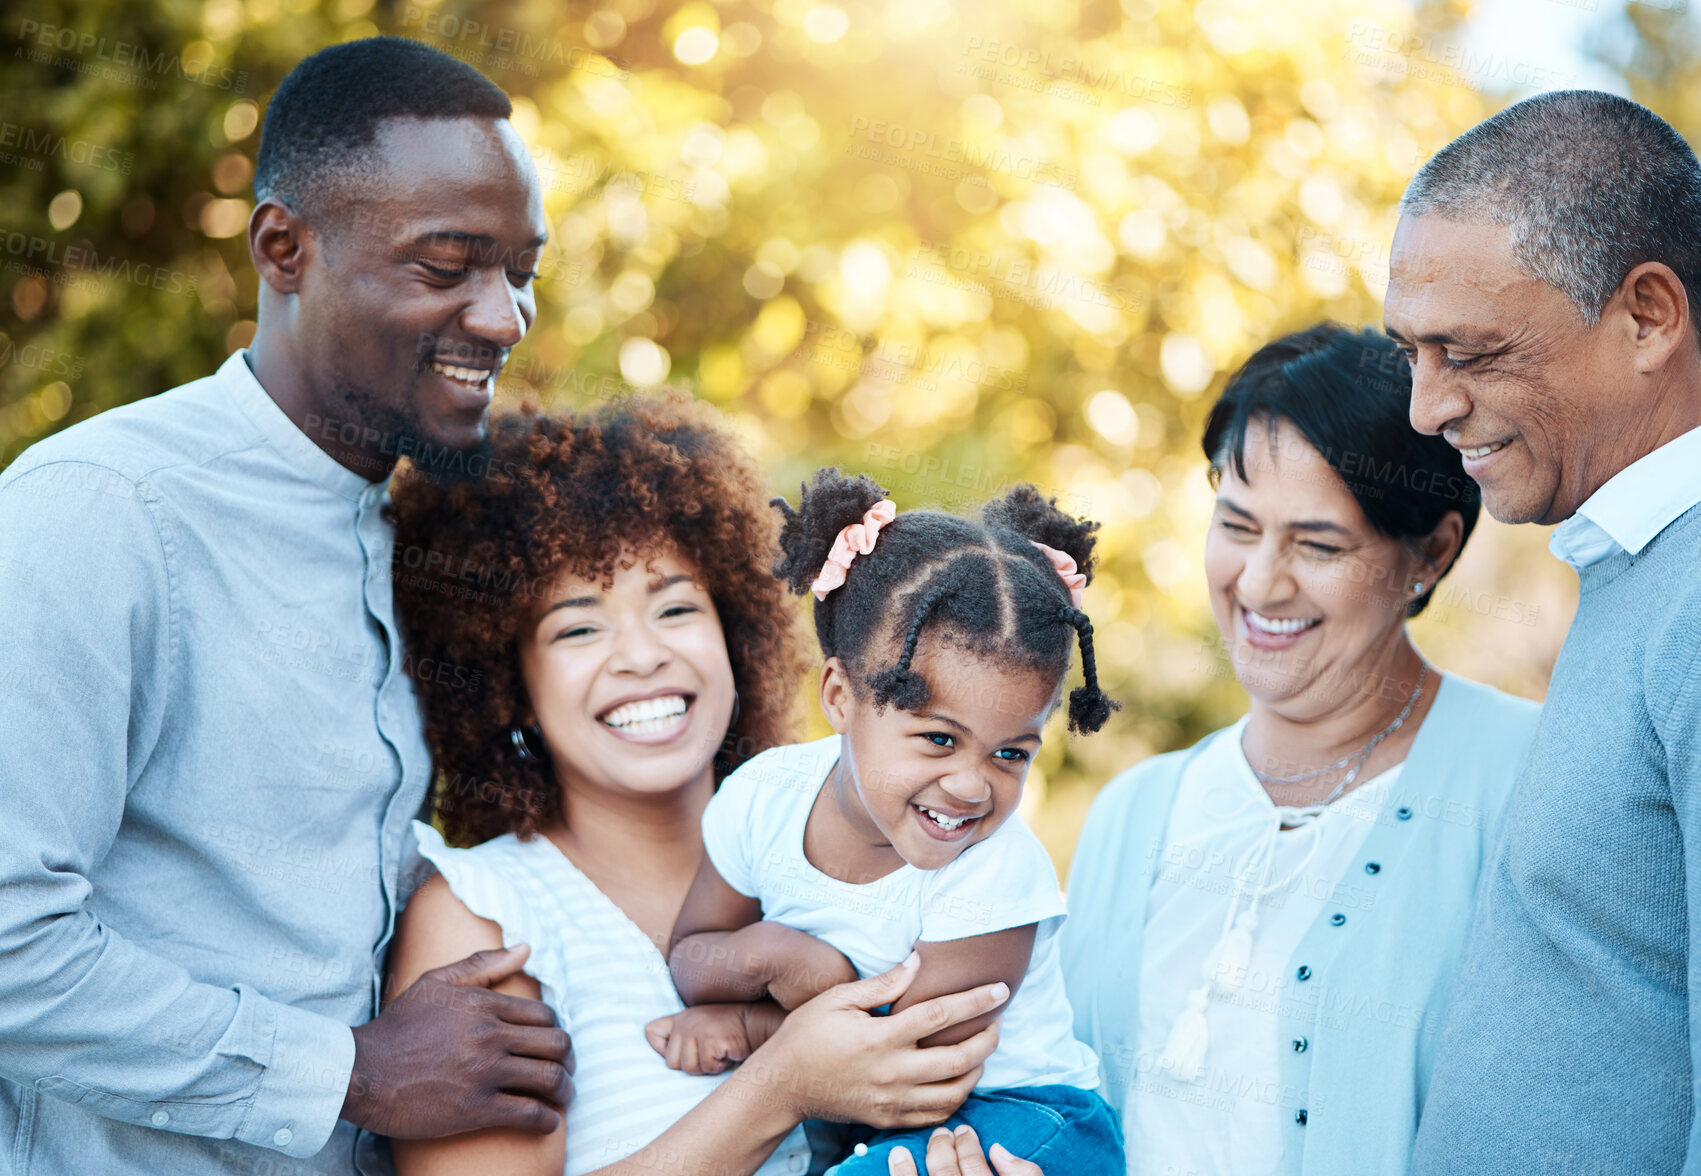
pixel 605 980
pixel 1206 1096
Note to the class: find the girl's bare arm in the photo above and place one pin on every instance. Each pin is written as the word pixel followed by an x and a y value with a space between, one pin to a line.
pixel 721 950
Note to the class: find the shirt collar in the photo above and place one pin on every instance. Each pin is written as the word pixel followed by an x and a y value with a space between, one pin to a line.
pixel 1634 505
pixel 297 447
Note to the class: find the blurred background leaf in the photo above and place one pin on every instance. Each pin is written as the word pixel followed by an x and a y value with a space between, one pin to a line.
pixel 954 246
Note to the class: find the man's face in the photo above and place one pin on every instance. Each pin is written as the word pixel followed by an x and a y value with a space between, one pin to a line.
pixel 424 285
pixel 1504 368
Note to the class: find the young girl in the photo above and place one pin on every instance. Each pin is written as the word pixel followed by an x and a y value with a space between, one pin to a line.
pixel 946 644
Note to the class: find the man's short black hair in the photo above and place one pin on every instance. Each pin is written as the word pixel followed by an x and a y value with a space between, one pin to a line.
pixel 324 118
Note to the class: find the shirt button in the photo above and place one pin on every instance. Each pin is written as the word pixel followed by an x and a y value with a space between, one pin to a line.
pixel 1404 813
pixel 1372 867
pixel 1304 972
pixel 1300 1116
pixel 1336 919
pixel 283 1136
pixel 159 1119
pixel 1300 1044
pixel 797 1163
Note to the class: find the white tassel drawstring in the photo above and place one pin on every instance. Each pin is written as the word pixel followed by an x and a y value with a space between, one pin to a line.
pixel 1189 1037
pixel 1229 961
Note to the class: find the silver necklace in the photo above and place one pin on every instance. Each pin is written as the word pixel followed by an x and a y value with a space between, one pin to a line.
pixel 1357 758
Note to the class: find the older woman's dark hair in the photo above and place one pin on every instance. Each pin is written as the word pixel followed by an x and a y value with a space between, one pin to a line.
pixel 1348 392
pixel 477 554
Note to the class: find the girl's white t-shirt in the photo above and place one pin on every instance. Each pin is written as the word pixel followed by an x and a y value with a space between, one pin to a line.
pixel 753 833
pixel 1231 1117
pixel 605 980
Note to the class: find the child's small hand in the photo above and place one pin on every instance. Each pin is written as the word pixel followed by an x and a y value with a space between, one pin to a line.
pixel 706 1039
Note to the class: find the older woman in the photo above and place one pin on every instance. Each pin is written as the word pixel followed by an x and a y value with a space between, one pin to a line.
pixel 1263 928
pixel 599 639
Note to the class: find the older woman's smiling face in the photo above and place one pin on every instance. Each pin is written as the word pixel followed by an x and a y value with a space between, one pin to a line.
pixel 1307 594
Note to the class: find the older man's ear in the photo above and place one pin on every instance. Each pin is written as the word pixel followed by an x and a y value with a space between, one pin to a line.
pixel 1654 304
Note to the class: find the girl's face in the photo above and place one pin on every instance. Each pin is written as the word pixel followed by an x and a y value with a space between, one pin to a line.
pixel 933 782
pixel 630 682
pixel 1307 594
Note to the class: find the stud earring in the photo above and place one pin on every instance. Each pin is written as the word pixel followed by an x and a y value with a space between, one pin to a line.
pixel 1418 588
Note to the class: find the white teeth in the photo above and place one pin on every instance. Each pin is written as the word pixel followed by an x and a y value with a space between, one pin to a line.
pixel 1282 625
pixel 943 821
pixel 464 374
pixel 1484 450
pixel 647 714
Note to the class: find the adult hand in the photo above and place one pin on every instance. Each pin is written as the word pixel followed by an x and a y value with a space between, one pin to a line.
pixel 958 1154
pixel 832 1060
pixel 448 1055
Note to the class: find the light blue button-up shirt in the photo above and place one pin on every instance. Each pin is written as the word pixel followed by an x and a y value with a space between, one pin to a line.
pixel 209 756
pixel 1633 505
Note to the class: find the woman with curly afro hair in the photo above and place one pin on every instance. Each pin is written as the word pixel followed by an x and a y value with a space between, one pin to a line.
pixel 598 638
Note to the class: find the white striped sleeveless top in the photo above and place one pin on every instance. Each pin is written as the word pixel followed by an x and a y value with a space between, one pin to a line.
pixel 605 980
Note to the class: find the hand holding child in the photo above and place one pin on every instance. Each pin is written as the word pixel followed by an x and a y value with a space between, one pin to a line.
pixel 958 1153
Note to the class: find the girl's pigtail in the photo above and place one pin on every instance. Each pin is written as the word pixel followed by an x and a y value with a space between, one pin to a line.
pixel 1089 706
pixel 898 685
pixel 829 502
pixel 1024 511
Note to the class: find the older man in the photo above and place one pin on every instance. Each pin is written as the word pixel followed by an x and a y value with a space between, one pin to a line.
pixel 1542 285
pixel 214 749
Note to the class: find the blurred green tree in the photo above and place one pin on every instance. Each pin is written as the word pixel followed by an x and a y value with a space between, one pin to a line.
pixel 954 246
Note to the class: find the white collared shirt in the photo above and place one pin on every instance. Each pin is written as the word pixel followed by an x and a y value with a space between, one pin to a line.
pixel 1634 505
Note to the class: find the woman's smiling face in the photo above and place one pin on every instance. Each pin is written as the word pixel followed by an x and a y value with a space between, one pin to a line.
pixel 630 680
pixel 1306 593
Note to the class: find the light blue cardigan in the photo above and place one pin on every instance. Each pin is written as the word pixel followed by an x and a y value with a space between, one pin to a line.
pixel 1358 1031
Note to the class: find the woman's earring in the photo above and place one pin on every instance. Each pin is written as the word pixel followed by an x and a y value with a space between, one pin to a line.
pixel 1418 588
pixel 737 706
pixel 523 737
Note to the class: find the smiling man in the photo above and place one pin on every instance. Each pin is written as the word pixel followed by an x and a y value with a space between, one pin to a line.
pixel 210 771
pixel 1542 286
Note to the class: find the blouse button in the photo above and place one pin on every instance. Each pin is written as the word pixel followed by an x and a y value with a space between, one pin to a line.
pixel 1372 867
pixel 1336 919
pixel 1403 812
pixel 159 1118
pixel 1300 1044
pixel 1304 972
pixel 1300 1116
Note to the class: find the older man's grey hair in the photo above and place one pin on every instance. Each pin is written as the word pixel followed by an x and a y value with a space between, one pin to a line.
pixel 1591 184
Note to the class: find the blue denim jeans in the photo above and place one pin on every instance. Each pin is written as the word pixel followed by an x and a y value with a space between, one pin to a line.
pixel 1067 1131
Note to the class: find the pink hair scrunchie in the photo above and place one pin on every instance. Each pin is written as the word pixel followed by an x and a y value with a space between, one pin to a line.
pixel 1065 565
pixel 854 540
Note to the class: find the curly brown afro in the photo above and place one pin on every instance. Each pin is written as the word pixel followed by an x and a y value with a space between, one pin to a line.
pixel 563 494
